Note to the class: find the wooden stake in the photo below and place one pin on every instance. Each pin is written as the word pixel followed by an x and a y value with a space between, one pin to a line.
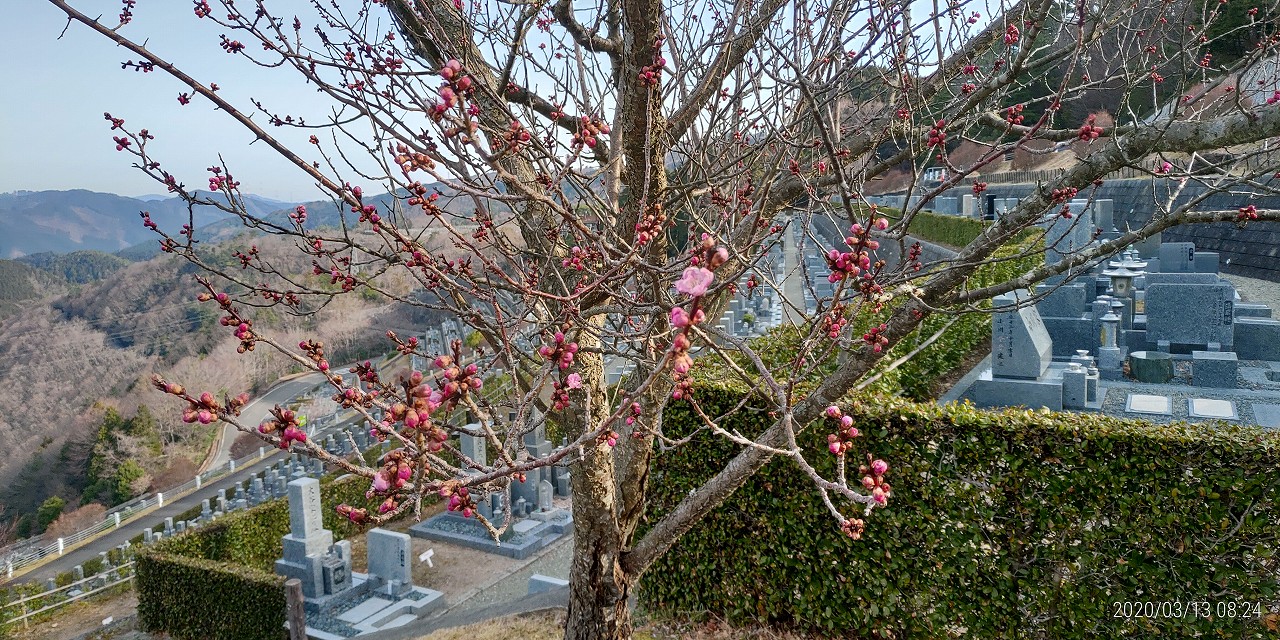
pixel 294 612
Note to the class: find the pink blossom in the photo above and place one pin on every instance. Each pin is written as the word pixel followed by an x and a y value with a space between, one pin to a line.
pixel 879 467
pixel 380 483
pixel 574 381
pixel 694 281
pixel 679 318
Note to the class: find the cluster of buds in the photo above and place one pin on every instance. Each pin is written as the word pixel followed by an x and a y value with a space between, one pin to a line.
pixel 218 182
pixel 1089 131
pixel 1155 76
pixel 423 199
pixel 458 381
pixel 608 437
pixel 589 130
pixel 1011 35
pixel 979 187
pixel 284 421
pixel 968 87
pixel 121 142
pixel 517 136
pixel 913 256
pixel 1164 167
pixel 357 516
pixel 560 351
pixel 970 69
pixel 410 160
pixel 846 264
pixel 299 214
pixel 938 134
pixel 459 499
pixel 315 352
pixel 1013 115
pixel 853 527
pixel 651 74
pixel 243 326
pixel 395 472
pixel 875 338
pixel 456 85
pixel 650 225
pixel 694 282
pixel 579 258
pixel 873 480
pixel 559 396
pixel 1247 213
pixel 1065 194
pixel 834 322
pixel 202 8
pixel 231 46
pixel 841 441
pixel 1206 60
pixel 636 410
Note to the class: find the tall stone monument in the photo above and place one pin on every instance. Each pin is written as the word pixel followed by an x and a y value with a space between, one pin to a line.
pixel 309 552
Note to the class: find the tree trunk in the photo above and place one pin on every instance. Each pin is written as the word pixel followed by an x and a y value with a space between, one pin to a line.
pixel 598 588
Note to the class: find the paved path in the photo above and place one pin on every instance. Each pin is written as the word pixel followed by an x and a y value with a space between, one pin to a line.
pixel 154 520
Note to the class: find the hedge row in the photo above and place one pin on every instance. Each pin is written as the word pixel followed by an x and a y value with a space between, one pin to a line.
pixel 952 231
pixel 194 598
pixel 1015 524
pixel 916 377
pixel 225 570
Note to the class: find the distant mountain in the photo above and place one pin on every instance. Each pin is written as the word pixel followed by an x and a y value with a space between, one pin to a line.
pixel 65 221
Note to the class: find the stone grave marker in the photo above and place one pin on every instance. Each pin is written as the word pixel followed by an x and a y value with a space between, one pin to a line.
pixel 1020 344
pixel 389 554
pixel 1194 314
pixel 545 491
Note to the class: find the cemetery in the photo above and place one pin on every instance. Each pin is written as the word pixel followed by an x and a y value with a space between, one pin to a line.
pixel 1153 333
pixel 537 519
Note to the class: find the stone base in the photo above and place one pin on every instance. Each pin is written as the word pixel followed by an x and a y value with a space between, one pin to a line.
pixel 1216 369
pixel 522 539
pixel 358 611
pixel 1046 391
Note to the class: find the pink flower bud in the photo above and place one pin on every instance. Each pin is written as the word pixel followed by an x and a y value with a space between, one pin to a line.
pixel 879 467
pixel 833 411
pixel 834 447
pixel 846 421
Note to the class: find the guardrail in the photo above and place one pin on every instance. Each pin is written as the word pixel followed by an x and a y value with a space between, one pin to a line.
pixel 20 562
pixel 17 563
pixel 64 595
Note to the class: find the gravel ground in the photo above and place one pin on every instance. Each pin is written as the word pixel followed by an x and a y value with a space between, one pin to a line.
pixel 1257 291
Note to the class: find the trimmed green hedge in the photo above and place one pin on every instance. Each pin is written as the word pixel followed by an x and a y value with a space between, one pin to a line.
pixel 1015 524
pixel 217 582
pixel 916 377
pixel 197 599
pixel 953 231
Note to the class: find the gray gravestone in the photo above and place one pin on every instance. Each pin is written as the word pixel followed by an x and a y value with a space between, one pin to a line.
pixel 389 553
pixel 1177 257
pixel 77 573
pixel 168 526
pixel 1194 314
pixel 308 541
pixel 545 491
pixel 1066 301
pixel 205 509
pixel 473 446
pixel 1020 345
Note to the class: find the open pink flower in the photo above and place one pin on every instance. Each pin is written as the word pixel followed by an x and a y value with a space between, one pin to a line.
pixel 679 318
pixel 694 281
pixel 574 381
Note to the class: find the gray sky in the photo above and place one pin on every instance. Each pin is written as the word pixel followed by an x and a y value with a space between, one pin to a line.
pixel 52 131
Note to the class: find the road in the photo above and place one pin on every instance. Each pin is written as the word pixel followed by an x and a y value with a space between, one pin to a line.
pixel 255 412
pixel 154 520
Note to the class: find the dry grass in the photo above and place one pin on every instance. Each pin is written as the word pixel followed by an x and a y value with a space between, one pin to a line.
pixel 550 626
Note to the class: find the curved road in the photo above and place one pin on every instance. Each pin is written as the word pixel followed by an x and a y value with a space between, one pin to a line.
pixel 253 413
